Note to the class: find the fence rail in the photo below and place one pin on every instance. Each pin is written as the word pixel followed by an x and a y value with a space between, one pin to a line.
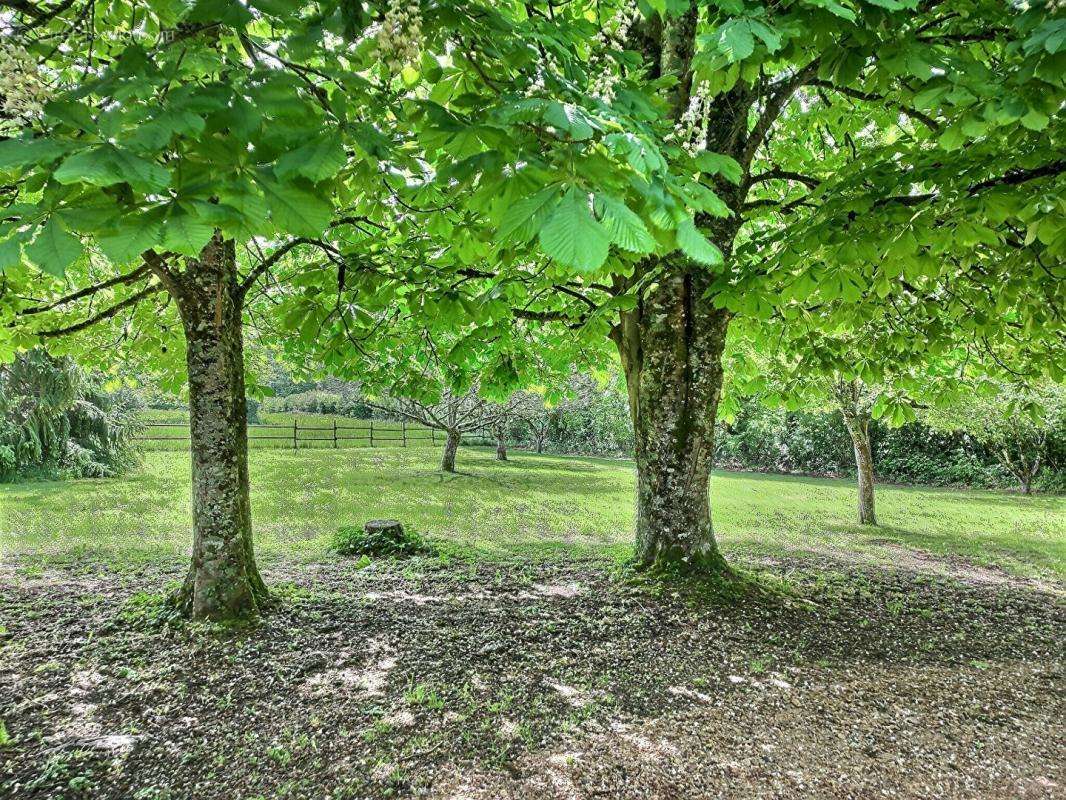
pixel 330 436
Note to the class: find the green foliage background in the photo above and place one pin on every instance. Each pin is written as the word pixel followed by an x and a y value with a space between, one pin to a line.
pixel 58 420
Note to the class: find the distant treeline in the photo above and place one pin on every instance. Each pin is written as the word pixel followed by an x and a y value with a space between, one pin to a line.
pixel 595 420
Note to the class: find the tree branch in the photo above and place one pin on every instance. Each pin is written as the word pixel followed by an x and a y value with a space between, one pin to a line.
pixel 1011 178
pixel 783 175
pixel 137 274
pixel 871 97
pixel 40 15
pixel 267 263
pixel 775 104
pixel 107 313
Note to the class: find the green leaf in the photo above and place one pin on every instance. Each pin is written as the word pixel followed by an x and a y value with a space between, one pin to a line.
pixel 626 228
pixel 54 249
pixel 770 37
pixel 10 252
pixel 133 237
pixel 735 41
pixel 718 164
pixel 1035 120
pixel 252 209
pixel 928 98
pixel 952 138
pixel 295 211
pixel 186 233
pixel 568 118
pixel 703 199
pixel 523 220
pixel 573 237
pixel 93 166
pixel 71 113
pixel 107 165
pixel 22 152
pixel 894 5
pixel 221 12
pixel 695 245
pixel 1049 35
pixel 140 173
pixel 317 160
pixel 834 7
pixel 157 133
pixel 278 8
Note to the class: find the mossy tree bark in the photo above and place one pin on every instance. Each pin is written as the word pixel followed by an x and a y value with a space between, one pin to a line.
pixel 223 581
pixel 451 445
pixel 671 348
pixel 671 344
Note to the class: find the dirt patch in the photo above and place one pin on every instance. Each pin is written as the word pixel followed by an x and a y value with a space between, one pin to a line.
pixel 418 680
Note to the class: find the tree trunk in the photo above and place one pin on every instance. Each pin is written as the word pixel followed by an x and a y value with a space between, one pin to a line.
pixel 223 581
pixel 671 348
pixel 501 445
pixel 859 428
pixel 451 444
pixel 540 443
pixel 1021 468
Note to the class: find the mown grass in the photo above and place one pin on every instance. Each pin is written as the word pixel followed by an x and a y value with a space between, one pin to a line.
pixel 538 507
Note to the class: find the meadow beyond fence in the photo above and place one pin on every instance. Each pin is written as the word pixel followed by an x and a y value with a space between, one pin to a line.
pixel 297 431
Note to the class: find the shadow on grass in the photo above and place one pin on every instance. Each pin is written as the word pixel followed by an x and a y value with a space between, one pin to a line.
pixel 961 496
pixel 1018 554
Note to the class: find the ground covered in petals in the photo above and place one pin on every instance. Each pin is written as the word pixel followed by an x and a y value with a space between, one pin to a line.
pixel 457 679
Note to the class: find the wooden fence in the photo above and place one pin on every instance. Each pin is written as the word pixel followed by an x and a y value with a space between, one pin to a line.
pixel 373 433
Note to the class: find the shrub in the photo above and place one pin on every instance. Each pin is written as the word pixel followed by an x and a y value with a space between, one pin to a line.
pixel 593 421
pixel 353 541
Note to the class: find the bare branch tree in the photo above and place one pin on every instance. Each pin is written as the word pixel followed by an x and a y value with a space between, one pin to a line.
pixel 454 414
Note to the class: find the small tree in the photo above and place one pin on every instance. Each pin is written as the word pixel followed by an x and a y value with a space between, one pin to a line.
pixel 1016 425
pixel 533 411
pixel 835 373
pixel 499 430
pixel 454 414
pixel 855 401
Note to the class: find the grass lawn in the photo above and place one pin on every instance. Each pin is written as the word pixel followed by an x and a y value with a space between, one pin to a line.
pixel 539 507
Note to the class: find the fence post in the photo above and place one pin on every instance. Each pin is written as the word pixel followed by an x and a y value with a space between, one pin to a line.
pixel 433 435
pixel 403 427
pixel 294 434
pixel 334 433
pixel 371 431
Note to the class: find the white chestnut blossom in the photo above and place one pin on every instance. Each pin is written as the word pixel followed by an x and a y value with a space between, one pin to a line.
pixel 611 37
pixel 546 65
pixel 23 91
pixel 400 36
pixel 691 130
